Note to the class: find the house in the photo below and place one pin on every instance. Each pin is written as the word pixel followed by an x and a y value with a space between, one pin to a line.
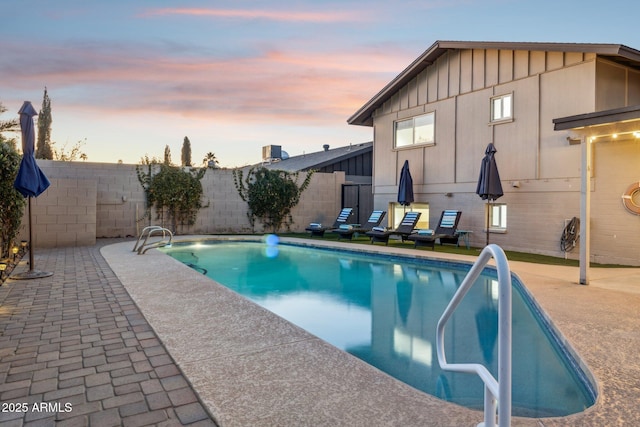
pixel 355 160
pixel 540 104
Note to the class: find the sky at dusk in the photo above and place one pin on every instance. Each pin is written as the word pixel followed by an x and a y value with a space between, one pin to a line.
pixel 129 77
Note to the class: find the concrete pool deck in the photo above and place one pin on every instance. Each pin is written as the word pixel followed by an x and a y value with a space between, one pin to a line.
pixel 250 367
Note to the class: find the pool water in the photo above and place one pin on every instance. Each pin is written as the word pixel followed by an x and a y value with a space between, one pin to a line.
pixel 384 310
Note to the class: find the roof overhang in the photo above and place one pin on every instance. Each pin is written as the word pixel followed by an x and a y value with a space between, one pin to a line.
pixel 618 121
pixel 614 52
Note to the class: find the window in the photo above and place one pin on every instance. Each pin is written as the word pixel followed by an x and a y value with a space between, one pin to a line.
pixel 502 108
pixel 497 217
pixel 397 212
pixel 418 130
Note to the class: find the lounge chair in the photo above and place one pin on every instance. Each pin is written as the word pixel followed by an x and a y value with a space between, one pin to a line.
pixel 406 227
pixel 317 229
pixel 446 231
pixel 349 230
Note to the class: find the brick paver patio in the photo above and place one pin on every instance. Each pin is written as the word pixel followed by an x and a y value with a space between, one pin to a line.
pixel 75 350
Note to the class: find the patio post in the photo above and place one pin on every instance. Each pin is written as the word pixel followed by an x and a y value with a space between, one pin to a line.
pixel 585 209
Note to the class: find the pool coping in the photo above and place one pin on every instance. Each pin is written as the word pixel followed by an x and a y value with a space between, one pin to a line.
pixel 260 369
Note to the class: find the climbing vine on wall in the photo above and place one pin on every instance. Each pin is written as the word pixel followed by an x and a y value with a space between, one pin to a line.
pixel 173 192
pixel 270 194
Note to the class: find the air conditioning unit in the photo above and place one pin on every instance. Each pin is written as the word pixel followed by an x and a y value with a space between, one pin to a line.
pixel 271 152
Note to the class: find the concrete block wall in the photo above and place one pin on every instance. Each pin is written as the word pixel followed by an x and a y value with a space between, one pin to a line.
pixel 64 215
pixel 321 201
pixel 92 200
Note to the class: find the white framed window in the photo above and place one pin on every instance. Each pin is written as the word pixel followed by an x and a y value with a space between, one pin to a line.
pixel 397 211
pixel 497 217
pixel 502 108
pixel 419 130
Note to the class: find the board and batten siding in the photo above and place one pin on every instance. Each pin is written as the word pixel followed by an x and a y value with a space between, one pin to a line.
pixel 458 87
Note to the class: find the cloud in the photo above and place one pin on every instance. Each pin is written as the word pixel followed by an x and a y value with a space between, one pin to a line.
pixel 285 85
pixel 269 15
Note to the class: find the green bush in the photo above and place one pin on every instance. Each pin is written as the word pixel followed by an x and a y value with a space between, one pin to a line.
pixel 11 201
pixel 270 194
pixel 172 192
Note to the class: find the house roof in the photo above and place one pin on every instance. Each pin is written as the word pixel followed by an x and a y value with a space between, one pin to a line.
pixel 320 159
pixel 614 52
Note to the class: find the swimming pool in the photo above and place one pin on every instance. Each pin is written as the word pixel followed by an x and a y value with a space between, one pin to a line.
pixel 384 310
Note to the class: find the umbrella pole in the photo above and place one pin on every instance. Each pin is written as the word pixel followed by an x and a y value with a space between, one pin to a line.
pixel 488 213
pixel 32 273
pixel 30 238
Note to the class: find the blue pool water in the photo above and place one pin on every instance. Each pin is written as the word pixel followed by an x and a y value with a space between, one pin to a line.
pixel 384 310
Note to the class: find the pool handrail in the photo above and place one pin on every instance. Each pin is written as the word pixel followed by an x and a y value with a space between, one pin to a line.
pixel 148 232
pixel 495 391
pixel 144 234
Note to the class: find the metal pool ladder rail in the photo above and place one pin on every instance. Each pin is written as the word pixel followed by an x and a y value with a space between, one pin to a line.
pixel 495 391
pixel 165 240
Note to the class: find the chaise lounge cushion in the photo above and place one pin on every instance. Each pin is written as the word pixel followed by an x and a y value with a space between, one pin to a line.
pixel 349 230
pixel 316 229
pixel 406 227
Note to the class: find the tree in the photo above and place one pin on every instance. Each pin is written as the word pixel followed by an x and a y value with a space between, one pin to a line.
pixel 43 145
pixel 270 194
pixel 71 156
pixel 11 201
pixel 12 125
pixel 167 155
pixel 186 152
pixel 210 161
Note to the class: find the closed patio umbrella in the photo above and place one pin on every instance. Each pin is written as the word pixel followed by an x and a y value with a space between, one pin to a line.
pixel 489 184
pixel 30 181
pixel 405 187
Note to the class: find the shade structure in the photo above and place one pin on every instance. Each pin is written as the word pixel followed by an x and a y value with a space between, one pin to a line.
pixel 405 187
pixel 30 181
pixel 489 184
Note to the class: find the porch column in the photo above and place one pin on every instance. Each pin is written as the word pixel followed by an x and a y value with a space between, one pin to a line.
pixel 585 209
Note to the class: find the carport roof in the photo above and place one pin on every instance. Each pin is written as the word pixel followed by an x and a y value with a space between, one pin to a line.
pixel 598 118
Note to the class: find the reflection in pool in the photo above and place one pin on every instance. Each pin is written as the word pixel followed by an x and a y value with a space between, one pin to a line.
pixel 384 310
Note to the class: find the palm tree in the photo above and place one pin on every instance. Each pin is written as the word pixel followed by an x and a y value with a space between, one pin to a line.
pixel 210 160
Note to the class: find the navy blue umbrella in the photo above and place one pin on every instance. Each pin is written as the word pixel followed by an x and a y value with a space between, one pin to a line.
pixel 30 181
pixel 405 188
pixel 489 184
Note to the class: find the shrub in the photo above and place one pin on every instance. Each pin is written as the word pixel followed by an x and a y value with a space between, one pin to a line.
pixel 270 194
pixel 11 201
pixel 172 191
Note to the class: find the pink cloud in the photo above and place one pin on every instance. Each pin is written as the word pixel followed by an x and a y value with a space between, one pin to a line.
pixel 297 87
pixel 281 16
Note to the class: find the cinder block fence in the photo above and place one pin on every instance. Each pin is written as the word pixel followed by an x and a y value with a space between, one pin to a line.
pixel 92 200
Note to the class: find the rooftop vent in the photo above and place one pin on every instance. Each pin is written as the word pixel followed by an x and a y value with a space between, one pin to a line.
pixel 326 147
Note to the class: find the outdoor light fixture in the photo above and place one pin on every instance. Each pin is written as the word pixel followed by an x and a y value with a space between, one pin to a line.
pixel 23 246
pixel 612 136
pixel 3 267
pixel 15 252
